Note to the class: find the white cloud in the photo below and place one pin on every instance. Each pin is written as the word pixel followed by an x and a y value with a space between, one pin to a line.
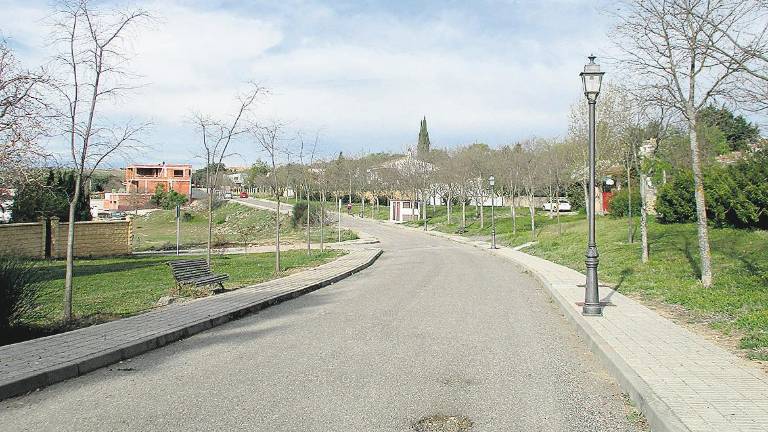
pixel 365 78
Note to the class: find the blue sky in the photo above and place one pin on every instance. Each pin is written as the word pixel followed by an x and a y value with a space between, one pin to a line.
pixel 362 72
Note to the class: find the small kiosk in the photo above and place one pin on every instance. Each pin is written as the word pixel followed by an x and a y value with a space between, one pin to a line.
pixel 403 210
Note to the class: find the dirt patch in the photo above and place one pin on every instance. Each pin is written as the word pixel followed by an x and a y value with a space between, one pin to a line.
pixel 443 423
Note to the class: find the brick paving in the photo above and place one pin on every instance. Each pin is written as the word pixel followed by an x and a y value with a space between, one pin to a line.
pixel 32 364
pixel 680 380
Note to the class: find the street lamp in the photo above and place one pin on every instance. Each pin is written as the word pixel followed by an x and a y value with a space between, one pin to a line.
pixel 592 78
pixel 492 182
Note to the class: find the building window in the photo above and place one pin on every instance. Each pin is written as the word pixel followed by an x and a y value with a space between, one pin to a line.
pixel 406 204
pixel 146 172
pixel 178 173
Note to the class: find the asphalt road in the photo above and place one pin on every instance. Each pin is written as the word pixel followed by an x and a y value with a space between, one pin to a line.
pixel 432 328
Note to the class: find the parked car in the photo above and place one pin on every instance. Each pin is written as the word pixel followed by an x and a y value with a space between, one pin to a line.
pixel 243 194
pixel 118 215
pixel 562 205
pixel 228 195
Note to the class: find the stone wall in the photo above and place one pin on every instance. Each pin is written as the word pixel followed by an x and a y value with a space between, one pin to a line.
pixel 92 239
pixel 23 239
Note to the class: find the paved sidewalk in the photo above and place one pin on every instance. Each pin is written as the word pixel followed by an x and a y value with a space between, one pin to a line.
pixel 29 365
pixel 680 380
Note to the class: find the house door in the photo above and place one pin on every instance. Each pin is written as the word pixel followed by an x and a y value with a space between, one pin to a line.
pixel 397 211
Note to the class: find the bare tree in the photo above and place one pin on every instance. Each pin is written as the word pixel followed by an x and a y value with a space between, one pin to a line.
pixel 92 54
pixel 743 40
pixel 23 117
pixel 531 161
pixel 216 136
pixel 269 139
pixel 307 179
pixel 675 49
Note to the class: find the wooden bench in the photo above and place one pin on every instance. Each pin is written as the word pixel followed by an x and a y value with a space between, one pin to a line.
pixel 195 272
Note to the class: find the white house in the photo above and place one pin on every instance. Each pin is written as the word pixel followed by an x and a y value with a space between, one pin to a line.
pixel 238 179
pixel 401 211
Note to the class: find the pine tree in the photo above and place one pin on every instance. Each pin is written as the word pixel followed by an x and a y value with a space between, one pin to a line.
pixel 422 150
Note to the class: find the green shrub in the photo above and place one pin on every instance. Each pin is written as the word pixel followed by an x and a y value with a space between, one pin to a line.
pixel 299 215
pixel 187 217
pixel 620 203
pixel 736 195
pixel 19 286
pixel 575 195
pixel 167 200
pixel 674 203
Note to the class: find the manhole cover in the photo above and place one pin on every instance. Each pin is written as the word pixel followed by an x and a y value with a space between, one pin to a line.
pixel 443 423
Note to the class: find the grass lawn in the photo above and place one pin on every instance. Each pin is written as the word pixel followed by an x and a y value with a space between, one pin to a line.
pixel 233 224
pixel 332 207
pixel 437 218
pixel 109 288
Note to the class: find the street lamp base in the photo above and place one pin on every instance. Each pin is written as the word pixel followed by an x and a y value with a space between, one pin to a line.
pixel 592 310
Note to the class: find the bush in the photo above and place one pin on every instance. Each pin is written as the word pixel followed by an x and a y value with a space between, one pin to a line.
pixel 674 203
pixel 18 290
pixel 49 196
pixel 299 215
pixel 619 203
pixel 736 195
pixel 187 217
pixel 167 200
pixel 575 195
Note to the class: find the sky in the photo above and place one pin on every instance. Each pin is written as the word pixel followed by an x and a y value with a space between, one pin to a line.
pixel 362 73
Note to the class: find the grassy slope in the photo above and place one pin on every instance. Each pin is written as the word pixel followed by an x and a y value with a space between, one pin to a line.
pixel 113 287
pixel 332 207
pixel 438 219
pixel 233 224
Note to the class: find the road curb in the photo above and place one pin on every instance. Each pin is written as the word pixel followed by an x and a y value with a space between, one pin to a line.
pixel 45 377
pixel 660 416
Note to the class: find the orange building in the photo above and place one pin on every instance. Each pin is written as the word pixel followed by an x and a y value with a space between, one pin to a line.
pixel 142 180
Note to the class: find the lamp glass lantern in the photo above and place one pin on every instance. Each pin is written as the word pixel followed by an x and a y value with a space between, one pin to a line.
pixel 491 181
pixel 592 79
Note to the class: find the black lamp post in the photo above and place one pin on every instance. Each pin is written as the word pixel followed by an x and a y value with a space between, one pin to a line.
pixel 492 182
pixel 591 78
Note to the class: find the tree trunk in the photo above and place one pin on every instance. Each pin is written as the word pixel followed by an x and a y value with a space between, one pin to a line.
pixel 532 211
pixel 309 232
pixel 643 219
pixel 630 228
pixel 448 206
pixel 551 203
pixel 701 210
pixel 482 215
pixel 210 225
pixel 557 211
pixel 277 236
pixel 514 215
pixel 322 220
pixel 70 265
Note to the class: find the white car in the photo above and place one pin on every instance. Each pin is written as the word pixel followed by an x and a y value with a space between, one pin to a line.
pixel 562 205
pixel 228 195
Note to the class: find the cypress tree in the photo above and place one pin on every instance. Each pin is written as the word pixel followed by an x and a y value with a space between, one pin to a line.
pixel 422 149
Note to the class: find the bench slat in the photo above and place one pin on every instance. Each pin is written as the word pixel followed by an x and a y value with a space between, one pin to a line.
pixel 195 271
